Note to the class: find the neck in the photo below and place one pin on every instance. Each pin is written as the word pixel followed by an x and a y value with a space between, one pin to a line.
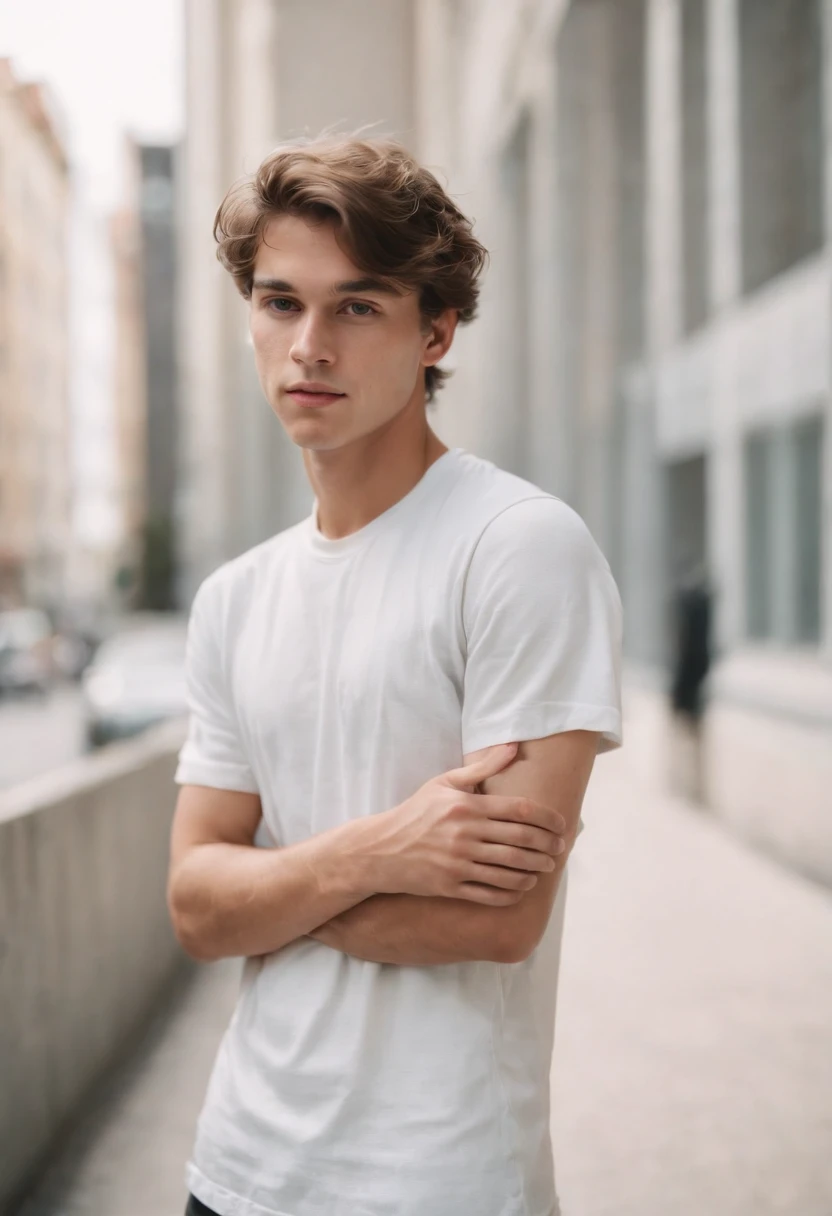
pixel 357 483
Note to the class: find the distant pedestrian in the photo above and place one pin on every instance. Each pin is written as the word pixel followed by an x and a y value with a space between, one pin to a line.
pixel 395 708
pixel 690 664
pixel 691 645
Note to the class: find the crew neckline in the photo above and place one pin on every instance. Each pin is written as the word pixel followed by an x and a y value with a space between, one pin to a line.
pixel 328 548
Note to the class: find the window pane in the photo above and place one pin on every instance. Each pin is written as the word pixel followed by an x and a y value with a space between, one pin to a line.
pixel 808 447
pixel 781 141
pixel 758 487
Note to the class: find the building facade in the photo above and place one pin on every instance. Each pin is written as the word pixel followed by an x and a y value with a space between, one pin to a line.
pixel 653 179
pixel 159 253
pixel 129 380
pixel 35 457
pixel 655 347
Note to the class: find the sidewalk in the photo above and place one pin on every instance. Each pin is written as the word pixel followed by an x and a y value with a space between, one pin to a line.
pixel 693 1066
pixel 128 1157
pixel 693 1060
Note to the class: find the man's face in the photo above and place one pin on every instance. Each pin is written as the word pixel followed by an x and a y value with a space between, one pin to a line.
pixel 318 322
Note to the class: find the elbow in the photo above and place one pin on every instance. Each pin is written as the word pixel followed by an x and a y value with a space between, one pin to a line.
pixel 190 929
pixel 513 947
pixel 195 946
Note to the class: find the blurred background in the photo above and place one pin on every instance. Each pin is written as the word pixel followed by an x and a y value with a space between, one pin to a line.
pixel 653 179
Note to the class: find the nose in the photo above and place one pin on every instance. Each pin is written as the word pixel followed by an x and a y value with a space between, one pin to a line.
pixel 312 341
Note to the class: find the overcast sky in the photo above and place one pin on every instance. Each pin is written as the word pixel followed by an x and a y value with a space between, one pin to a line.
pixel 113 66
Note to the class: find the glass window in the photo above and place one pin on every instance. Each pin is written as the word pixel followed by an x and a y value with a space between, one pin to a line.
pixel 781 135
pixel 783 532
pixel 758 481
pixel 808 454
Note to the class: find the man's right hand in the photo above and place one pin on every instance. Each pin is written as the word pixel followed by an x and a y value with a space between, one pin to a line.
pixel 448 840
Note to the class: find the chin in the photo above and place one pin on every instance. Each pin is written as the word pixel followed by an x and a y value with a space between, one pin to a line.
pixel 315 438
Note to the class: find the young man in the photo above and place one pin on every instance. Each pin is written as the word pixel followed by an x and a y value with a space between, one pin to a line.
pixel 395 708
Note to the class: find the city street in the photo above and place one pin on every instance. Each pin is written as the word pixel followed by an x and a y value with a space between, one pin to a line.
pixel 38 735
pixel 693 1066
pixel 630 201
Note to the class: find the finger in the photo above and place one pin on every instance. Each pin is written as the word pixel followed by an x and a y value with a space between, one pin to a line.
pixel 500 876
pixel 492 762
pixel 522 810
pixel 521 836
pixel 529 860
pixel 478 893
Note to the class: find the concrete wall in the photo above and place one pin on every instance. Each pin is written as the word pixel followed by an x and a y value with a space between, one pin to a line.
pixel 767 756
pixel 86 947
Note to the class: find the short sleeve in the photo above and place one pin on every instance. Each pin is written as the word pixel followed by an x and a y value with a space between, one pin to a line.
pixel 543 623
pixel 212 754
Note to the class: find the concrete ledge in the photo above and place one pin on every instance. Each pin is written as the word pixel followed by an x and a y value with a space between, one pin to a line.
pixel 770 778
pixel 85 941
pixel 763 758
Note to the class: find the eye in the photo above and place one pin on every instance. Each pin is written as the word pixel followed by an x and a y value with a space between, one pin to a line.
pixel 280 304
pixel 359 304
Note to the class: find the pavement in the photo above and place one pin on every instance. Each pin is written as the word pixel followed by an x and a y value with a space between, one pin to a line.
pixel 693 1057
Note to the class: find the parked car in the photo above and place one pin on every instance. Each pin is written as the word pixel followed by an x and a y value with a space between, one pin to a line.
pixel 136 679
pixel 26 659
pixel 79 630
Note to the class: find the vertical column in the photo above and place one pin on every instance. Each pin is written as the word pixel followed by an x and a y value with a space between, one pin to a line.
pixel 435 75
pixel 628 103
pixel 573 80
pixel 725 498
pixel 643 542
pixel 586 254
pixel 784 572
pixel 201 500
pixel 664 210
pixel 546 458
pixel 255 436
pixel 599 321
pixel 826 455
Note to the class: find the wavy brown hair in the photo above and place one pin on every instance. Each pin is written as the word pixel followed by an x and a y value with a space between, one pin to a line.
pixel 391 216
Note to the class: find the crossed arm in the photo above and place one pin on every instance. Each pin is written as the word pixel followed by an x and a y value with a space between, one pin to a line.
pixel 229 898
pixel 417 930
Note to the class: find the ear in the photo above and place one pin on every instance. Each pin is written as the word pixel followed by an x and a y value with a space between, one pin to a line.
pixel 439 336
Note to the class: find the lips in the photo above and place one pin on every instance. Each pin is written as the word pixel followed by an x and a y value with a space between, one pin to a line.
pixel 312 398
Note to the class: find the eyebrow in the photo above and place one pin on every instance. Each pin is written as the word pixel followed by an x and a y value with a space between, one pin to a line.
pixel 352 285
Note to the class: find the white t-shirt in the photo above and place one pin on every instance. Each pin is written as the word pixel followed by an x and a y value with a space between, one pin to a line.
pixel 335 677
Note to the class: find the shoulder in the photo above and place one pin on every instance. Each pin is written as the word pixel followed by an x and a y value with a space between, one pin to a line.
pixel 534 528
pixel 504 515
pixel 537 551
pixel 224 594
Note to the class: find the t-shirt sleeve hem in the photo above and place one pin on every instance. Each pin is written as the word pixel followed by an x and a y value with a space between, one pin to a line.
pixel 217 776
pixel 550 719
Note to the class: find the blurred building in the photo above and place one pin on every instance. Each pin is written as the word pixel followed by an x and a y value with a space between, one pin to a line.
pixel 259 71
pixel 35 480
pixel 654 181
pixel 130 376
pixel 160 320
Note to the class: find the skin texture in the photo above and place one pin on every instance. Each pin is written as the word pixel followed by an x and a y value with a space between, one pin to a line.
pixel 414 931
pixel 228 897
pixel 408 886
pixel 371 448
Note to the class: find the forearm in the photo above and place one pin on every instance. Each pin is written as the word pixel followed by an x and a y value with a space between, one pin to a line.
pixel 412 930
pixel 230 900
